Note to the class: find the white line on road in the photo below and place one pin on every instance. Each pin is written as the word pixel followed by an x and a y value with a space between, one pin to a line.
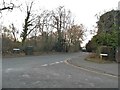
pixel 45 65
pixel 13 70
pixel 61 61
pixel 57 62
pixel 51 63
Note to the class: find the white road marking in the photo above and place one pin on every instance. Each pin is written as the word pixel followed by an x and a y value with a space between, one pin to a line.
pixel 61 61
pixel 44 65
pixel 57 62
pixel 26 76
pixel 8 70
pixel 34 83
pixel 12 70
pixel 51 63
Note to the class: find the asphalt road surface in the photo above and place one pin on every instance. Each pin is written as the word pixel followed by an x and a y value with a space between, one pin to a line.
pixel 50 71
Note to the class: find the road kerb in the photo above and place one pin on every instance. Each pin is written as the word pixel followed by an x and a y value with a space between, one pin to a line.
pixel 93 71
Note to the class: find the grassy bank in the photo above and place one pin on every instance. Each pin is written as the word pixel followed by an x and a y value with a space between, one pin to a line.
pixel 95 58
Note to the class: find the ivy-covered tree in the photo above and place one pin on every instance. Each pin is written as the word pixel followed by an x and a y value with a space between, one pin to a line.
pixel 28 24
pixel 108 39
pixel 108 29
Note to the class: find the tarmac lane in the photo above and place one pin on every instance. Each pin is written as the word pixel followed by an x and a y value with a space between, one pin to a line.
pixel 51 72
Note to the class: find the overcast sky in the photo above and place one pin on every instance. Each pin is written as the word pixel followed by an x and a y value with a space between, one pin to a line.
pixel 84 11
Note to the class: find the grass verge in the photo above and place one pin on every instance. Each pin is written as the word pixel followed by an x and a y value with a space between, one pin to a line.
pixel 94 58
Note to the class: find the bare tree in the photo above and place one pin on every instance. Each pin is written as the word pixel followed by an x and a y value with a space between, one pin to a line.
pixel 61 21
pixel 57 21
pixel 28 24
pixel 14 32
pixel 6 32
pixel 43 26
pixel 75 36
pixel 43 21
pixel 8 6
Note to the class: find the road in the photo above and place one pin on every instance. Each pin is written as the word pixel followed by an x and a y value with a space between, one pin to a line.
pixel 50 71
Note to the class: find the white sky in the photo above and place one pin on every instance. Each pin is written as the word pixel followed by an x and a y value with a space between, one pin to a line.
pixel 84 11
